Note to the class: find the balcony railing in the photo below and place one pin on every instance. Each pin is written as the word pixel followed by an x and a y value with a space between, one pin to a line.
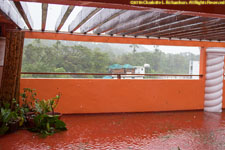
pixel 117 75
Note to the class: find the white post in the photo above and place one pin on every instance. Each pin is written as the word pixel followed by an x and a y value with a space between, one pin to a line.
pixel 214 79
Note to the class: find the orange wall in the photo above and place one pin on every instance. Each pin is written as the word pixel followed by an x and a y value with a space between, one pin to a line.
pixel 108 95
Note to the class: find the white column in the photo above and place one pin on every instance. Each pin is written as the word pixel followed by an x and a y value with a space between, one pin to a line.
pixel 214 80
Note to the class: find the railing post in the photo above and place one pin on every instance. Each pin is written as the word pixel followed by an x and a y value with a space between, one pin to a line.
pixel 118 76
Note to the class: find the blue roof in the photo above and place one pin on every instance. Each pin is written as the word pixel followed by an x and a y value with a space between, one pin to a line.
pixel 128 66
pixel 107 77
pixel 116 66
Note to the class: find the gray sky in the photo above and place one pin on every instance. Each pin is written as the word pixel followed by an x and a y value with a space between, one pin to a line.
pixel 54 11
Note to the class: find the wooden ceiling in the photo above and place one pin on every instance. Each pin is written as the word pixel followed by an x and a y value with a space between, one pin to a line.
pixel 127 20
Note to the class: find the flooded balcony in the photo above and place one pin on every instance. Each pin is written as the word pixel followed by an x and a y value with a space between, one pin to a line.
pixel 169 130
pixel 111 113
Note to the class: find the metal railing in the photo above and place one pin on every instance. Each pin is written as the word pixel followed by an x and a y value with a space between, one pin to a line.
pixel 108 74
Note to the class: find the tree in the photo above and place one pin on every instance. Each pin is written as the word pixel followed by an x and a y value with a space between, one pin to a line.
pixel 134 46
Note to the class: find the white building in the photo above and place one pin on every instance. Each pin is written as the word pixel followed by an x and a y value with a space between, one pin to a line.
pixel 194 69
pixel 138 70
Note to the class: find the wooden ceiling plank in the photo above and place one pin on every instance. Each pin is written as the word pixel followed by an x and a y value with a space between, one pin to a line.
pixel 166 26
pixel 209 26
pixel 44 16
pixel 24 12
pixel 220 38
pixel 202 36
pixel 215 11
pixel 186 26
pixel 65 12
pixel 151 16
pixel 205 36
pixel 7 10
pixel 204 31
pixel 99 19
pixel 123 18
pixel 150 24
pixel 82 17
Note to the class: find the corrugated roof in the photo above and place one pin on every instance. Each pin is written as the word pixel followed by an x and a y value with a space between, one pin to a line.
pixel 118 66
pixel 128 66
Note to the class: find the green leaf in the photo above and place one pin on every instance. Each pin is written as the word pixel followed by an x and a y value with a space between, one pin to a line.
pixel 3 129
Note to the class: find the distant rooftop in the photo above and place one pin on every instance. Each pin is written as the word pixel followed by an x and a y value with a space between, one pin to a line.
pixel 128 66
pixel 115 66
pixel 118 66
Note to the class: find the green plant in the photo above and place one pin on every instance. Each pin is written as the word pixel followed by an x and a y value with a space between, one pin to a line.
pixel 45 106
pixel 7 117
pixel 20 111
pixel 54 102
pixel 13 115
pixel 42 107
pixel 47 125
pixel 38 119
pixel 28 99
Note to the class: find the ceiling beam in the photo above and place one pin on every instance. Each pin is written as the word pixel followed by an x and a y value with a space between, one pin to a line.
pixel 202 30
pixel 99 19
pixel 122 40
pixel 65 12
pixel 7 10
pixel 140 27
pixel 169 24
pixel 206 35
pixel 123 18
pixel 151 16
pixel 220 37
pixel 201 22
pixel 44 16
pixel 83 16
pixel 24 12
pixel 202 36
pixel 178 32
pixel 216 11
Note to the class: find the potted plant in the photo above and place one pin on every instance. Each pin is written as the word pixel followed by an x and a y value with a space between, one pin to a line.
pixel 10 119
pixel 47 121
pixel 6 116
pixel 53 102
pixel 40 114
pixel 28 100
pixel 48 106
pixel 47 125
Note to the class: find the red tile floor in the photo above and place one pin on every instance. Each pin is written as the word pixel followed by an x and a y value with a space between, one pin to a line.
pixel 192 130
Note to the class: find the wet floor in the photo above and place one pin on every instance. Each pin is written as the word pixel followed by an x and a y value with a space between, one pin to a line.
pixel 140 131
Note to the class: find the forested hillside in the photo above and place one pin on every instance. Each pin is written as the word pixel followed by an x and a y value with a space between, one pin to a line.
pixel 58 57
pixel 116 49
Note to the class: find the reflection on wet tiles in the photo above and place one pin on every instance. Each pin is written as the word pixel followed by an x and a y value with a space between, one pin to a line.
pixel 157 131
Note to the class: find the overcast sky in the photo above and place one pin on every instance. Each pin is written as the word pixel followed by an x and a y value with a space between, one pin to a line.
pixel 54 11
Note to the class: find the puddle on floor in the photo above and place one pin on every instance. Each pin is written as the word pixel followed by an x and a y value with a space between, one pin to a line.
pixel 192 130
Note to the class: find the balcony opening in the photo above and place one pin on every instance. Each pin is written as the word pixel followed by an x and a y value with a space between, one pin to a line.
pixel 92 60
